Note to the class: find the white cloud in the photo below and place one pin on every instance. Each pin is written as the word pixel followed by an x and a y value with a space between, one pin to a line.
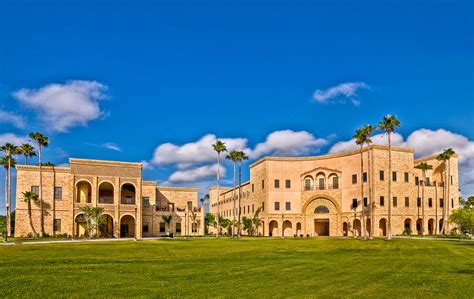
pixel 147 165
pixel 12 118
pixel 288 143
pixel 63 106
pixel 12 138
pixel 108 145
pixel 196 174
pixel 346 90
pixel 344 146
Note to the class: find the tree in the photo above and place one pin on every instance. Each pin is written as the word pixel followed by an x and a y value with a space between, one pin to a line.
pixel 464 216
pixel 218 147
pixel 29 197
pixel 41 141
pixel 193 217
pixel 389 124
pixel 224 223
pixel 210 219
pixel 241 157
pixel 369 129
pixel 360 137
pixel 167 220
pixel 446 156
pixel 233 156
pixel 10 150
pixel 93 218
pixel 424 167
pixel 28 151
pixel 204 199
pixel 247 225
pixel 48 164
pixel 256 221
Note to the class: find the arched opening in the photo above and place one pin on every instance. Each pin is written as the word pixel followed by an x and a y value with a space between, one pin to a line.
pixel 431 226
pixel 83 192
pixel 367 226
pixel 298 228
pixel 127 227
pixel 106 193
pixel 308 183
pixel 333 181
pixel 419 226
pixel 440 226
pixel 107 228
pixel 345 229
pixel 321 210
pixel 128 194
pixel 321 181
pixel 407 227
pixel 383 227
pixel 80 224
pixel 273 228
pixel 357 227
pixel 287 228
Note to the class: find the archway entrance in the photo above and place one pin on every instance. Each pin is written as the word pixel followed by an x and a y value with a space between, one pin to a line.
pixel 287 228
pixel 298 228
pixel 127 227
pixel 273 228
pixel 83 192
pixel 80 224
pixel 345 229
pixel 419 226
pixel 107 229
pixel 357 228
pixel 431 225
pixel 321 227
pixel 407 227
pixel 383 227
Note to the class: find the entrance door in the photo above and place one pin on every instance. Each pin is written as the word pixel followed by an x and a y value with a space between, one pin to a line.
pixel 321 227
pixel 123 230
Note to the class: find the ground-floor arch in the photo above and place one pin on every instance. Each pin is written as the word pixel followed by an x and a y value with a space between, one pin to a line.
pixel 407 226
pixel 368 226
pixel 357 228
pixel 127 226
pixel 419 226
pixel 107 228
pixel 273 228
pixel 287 228
pixel 345 229
pixel 298 229
pixel 80 225
pixel 383 227
pixel 431 226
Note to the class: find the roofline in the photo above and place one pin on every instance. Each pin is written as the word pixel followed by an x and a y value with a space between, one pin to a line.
pixel 432 157
pixel 43 168
pixel 232 188
pixel 173 188
pixel 105 163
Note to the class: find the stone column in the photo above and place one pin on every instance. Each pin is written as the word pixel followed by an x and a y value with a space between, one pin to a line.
pixel 117 207
pixel 138 204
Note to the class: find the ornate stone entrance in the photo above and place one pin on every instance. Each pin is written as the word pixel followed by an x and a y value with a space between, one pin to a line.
pixel 322 217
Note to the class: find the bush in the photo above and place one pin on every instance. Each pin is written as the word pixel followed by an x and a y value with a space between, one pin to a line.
pixel 407 231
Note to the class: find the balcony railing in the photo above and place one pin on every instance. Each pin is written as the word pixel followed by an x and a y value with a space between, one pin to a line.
pixel 127 200
pixel 106 199
pixel 318 187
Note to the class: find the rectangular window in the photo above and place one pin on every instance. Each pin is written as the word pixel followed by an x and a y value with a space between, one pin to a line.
pixel 430 202
pixel 263 184
pixel 277 184
pixel 417 181
pixel 35 190
pixel 321 184
pixel 382 175
pixel 288 184
pixel 190 205
pixel 146 201
pixel 418 202
pixel 354 203
pixel 288 206
pixel 162 227
pixel 452 203
pixel 277 206
pixel 335 182
pixel 307 184
pixel 263 206
pixel 364 177
pixel 58 193
pixel 365 202
pixel 407 202
pixel 354 179
pixel 382 201
pixel 178 227
pixel 252 208
pixel 57 225
pixel 441 203
pixel 406 177
pixel 145 227
pixel 394 176
pixel 253 188
pixel 395 201
pixel 451 180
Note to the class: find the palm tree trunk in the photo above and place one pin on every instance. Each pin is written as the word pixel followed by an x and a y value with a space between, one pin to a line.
pixel 448 200
pixel 389 230
pixel 42 233
pixel 444 199
pixel 240 195
pixel 9 198
pixel 31 220
pixel 233 200
pixel 369 173
pixel 423 204
pixel 362 190
pixel 218 194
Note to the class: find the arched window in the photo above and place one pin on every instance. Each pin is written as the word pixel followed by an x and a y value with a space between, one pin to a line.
pixel 321 210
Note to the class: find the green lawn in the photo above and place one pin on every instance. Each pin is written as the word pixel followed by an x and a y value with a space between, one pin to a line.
pixel 241 268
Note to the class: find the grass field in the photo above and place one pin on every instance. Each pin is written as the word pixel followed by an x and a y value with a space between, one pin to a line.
pixel 241 268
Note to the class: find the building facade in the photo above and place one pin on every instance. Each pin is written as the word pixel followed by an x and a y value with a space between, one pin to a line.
pixel 328 196
pixel 133 207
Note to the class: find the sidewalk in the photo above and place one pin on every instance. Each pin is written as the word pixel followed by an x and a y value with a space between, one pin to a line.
pixel 433 239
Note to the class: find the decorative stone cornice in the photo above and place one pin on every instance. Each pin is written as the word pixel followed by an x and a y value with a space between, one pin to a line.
pixel 105 163
pixel 172 188
pixel 44 168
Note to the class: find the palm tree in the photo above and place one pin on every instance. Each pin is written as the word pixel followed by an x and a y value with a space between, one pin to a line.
pixel 241 157
pixel 360 138
pixel 28 197
pixel 424 167
pixel 233 156
pixel 10 150
pixel 193 217
pixel 446 156
pixel 389 124
pixel 203 199
pixel 369 129
pixel 41 141
pixel 218 147
pixel 167 220
pixel 94 218
pixel 28 151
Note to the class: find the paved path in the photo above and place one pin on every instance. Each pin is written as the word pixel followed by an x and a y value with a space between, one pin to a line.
pixel 432 238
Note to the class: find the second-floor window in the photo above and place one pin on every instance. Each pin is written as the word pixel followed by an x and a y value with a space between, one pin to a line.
pixel 394 176
pixel 354 179
pixel 335 182
pixel 430 202
pixel 407 202
pixel 382 175
pixel 394 201
pixel 58 193
pixel 288 184
pixel 365 201
pixel 441 203
pixel 382 201
pixel 277 206
pixel 35 190
pixel 364 177
pixel 406 177
pixel 277 184
pixel 263 184
pixel 418 202
pixel 146 201
pixel 354 203
pixel 288 206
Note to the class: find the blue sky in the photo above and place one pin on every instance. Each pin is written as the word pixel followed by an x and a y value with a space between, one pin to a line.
pixel 117 79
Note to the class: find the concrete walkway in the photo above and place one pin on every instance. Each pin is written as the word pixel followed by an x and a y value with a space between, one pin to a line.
pixel 433 239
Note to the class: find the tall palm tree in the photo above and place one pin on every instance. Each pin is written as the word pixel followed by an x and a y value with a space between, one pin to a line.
pixel 10 150
pixel 360 137
pixel 218 147
pixel 389 124
pixel 369 129
pixel 233 156
pixel 203 199
pixel 28 197
pixel 28 151
pixel 41 141
pixel 167 220
pixel 423 167
pixel 241 157
pixel 446 156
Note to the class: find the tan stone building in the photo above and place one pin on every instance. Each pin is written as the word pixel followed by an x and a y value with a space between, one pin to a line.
pixel 322 195
pixel 133 207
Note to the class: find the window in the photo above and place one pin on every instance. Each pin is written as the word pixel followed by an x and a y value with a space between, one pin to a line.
pixel 321 210
pixel 365 202
pixel 277 206
pixel 407 202
pixel 430 202
pixel 417 181
pixel 288 184
pixel 190 205
pixel 441 203
pixel 418 202
pixel 382 175
pixel 364 177
pixel 58 193
pixel 394 176
pixel 354 203
pixel 395 201
pixel 307 184
pixel 162 227
pixel 252 208
pixel 382 201
pixel 263 206
pixel 146 201
pixel 178 227
pixel 452 203
pixel 145 227
pixel 321 184
pixel 288 206
pixel 253 189
pixel 57 225
pixel 277 184
pixel 406 177
pixel 35 190
pixel 335 182
pixel 451 180
pixel 354 179
pixel 263 184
